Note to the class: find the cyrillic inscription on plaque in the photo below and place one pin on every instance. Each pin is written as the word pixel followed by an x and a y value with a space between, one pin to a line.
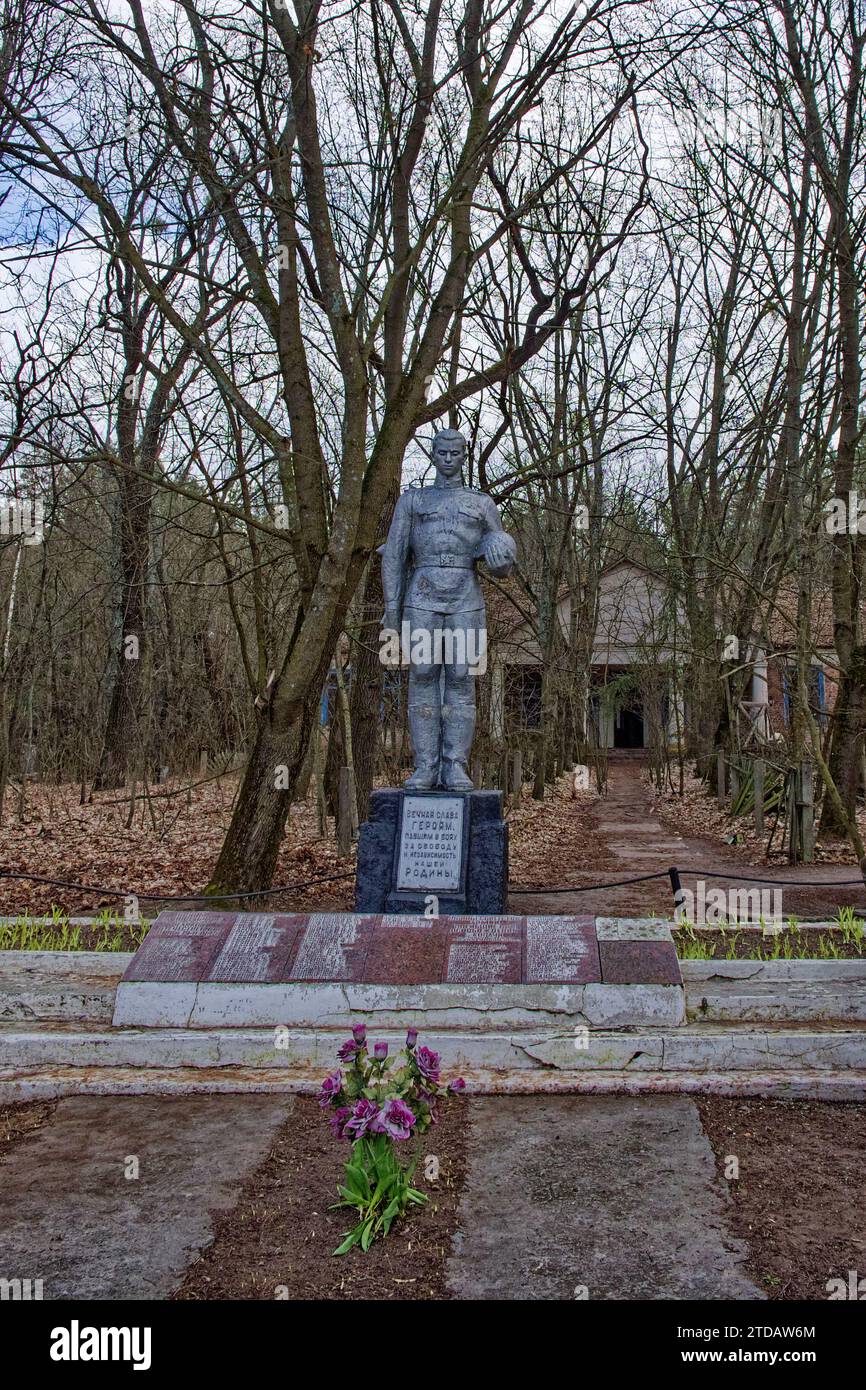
pixel 431 843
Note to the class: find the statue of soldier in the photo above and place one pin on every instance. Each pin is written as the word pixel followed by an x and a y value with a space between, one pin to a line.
pixel 430 582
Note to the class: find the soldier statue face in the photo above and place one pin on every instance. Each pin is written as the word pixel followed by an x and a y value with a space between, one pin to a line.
pixel 449 453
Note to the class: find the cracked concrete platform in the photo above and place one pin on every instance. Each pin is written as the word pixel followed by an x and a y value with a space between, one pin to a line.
pixel 70 1216
pixel 702 1047
pixel 222 969
pixel 616 1198
pixel 598 1197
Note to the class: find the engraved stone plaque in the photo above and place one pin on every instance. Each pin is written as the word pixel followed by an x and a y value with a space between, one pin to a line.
pixel 256 948
pixel 322 953
pixel 561 949
pixel 483 963
pixel 431 843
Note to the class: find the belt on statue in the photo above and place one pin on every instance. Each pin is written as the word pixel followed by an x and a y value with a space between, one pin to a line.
pixel 448 562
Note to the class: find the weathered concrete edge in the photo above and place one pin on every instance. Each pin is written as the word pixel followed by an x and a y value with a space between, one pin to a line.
pixel 65 963
pixel 772 971
pixel 788 1085
pixel 275 1049
pixel 337 1004
pixel 14 964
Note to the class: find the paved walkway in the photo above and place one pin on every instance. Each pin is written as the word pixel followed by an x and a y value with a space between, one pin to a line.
pixel 70 1216
pixel 640 844
pixel 615 1196
pixel 593 1197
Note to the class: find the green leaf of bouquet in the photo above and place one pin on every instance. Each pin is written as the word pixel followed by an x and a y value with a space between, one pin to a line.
pixel 351 1239
pixel 389 1213
pixel 383 1185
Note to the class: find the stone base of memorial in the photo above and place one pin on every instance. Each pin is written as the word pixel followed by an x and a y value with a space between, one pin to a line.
pixel 440 852
pixel 322 971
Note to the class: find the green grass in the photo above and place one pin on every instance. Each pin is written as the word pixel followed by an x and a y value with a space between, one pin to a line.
pixel 55 932
pixel 777 943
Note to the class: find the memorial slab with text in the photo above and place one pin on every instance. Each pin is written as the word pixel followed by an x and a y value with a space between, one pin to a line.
pixel 189 954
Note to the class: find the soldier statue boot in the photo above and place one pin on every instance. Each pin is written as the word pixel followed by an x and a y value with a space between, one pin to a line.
pixel 424 732
pixel 458 728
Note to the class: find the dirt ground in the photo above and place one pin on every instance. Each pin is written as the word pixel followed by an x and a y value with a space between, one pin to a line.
pixel 799 1200
pixel 278 1240
pixel 638 841
pixel 698 812
pixel 17 1121
pixel 168 842
pixel 796 1203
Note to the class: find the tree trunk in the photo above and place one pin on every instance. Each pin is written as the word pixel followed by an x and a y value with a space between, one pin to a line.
pixel 123 734
pixel 366 694
pixel 846 748
pixel 252 845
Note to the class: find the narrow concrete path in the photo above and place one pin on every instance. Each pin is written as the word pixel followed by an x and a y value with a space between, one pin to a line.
pixel 71 1216
pixel 584 1196
pixel 640 844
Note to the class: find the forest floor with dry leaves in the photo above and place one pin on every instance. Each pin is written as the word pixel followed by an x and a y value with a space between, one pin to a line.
pixel 166 844
pixel 697 812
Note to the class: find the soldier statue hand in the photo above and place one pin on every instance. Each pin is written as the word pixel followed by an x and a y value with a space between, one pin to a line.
pixel 499 553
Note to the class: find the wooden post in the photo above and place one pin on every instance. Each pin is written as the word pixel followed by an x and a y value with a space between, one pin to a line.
pixel 202 762
pixel 807 812
pixel 503 773
pixel 517 773
pixel 319 767
pixel 793 815
pixel 345 818
pixel 720 775
pixel 758 774
pixel 735 783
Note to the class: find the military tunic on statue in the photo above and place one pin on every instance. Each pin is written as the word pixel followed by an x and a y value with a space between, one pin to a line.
pixel 429 580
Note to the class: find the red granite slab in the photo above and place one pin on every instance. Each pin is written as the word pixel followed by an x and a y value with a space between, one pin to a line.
pixel 639 963
pixel 485 928
pixel 257 948
pixel 406 954
pixel 484 963
pixel 561 950
pixel 180 946
pixel 331 946
pixel 484 950
pixel 397 950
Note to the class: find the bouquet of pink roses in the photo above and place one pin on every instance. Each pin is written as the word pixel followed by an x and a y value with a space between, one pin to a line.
pixel 373 1104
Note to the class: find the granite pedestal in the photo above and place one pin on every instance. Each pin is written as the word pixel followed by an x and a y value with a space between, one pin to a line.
pixel 322 970
pixel 440 851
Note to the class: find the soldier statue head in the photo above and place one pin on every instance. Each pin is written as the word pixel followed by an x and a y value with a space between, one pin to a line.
pixel 449 455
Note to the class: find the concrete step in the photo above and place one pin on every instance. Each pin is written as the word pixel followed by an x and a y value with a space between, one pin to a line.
pixel 71 985
pixel 80 986
pixel 311 1052
pixel 779 991
pixel 50 1083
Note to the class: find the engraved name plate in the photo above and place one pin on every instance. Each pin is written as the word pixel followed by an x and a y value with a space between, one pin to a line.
pixel 431 843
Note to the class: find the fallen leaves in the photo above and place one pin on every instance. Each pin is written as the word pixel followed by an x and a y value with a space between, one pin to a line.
pixel 168 842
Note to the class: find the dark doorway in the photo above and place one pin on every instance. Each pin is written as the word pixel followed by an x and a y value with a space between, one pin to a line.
pixel 628 728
